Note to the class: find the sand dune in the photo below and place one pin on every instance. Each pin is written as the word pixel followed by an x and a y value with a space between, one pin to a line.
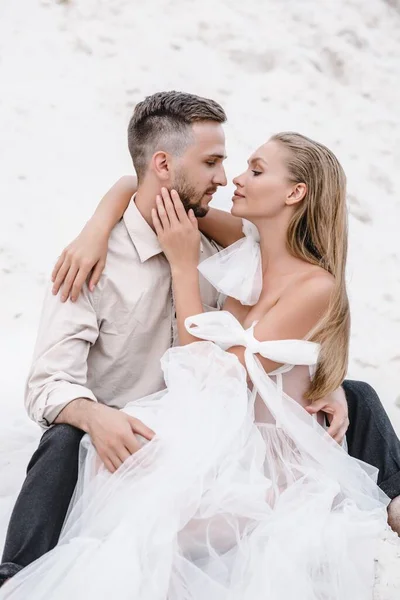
pixel 70 75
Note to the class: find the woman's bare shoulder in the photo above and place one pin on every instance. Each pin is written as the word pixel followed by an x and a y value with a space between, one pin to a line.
pixel 315 283
pixel 319 278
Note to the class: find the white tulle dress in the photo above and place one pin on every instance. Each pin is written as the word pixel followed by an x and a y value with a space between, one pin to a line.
pixel 242 495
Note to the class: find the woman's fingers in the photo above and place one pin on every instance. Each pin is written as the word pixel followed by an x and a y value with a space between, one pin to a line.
pixel 79 280
pixel 162 213
pixel 156 222
pixel 62 273
pixel 71 278
pixel 178 206
pixel 193 219
pixel 95 277
pixel 68 283
pixel 169 206
pixel 57 266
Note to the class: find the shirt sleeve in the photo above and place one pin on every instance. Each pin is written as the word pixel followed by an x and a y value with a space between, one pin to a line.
pixel 58 373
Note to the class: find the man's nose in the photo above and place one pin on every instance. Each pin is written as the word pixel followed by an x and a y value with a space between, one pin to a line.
pixel 220 177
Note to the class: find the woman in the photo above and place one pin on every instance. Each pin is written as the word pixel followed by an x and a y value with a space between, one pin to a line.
pixel 241 494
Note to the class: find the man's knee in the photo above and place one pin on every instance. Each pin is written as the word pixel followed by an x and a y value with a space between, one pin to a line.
pixel 63 436
pixel 60 442
pixel 359 388
pixel 360 395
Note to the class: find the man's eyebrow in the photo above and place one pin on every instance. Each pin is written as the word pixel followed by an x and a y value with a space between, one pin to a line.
pixel 221 156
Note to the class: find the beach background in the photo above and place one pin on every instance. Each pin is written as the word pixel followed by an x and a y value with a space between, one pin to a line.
pixel 71 73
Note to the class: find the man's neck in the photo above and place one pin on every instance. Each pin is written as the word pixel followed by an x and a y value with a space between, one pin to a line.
pixel 145 200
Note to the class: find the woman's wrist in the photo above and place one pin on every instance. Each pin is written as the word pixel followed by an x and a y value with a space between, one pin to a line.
pixel 185 273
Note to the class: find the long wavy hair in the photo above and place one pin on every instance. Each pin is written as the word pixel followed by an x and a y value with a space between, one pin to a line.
pixel 317 233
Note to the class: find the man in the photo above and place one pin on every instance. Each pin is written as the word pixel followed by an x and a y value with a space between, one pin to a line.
pixel 98 353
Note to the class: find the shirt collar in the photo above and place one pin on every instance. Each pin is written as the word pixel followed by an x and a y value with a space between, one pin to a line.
pixel 142 235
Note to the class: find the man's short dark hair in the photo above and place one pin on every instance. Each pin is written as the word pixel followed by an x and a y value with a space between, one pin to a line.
pixel 163 122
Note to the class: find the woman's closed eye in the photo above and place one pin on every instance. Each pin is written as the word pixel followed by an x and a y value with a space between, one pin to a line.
pixel 256 172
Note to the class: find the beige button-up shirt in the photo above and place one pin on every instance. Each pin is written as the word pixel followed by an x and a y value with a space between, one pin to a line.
pixel 107 345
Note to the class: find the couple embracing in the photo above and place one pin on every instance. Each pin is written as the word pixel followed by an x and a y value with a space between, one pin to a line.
pixel 201 440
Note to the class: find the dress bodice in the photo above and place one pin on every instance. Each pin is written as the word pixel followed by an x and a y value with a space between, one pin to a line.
pixel 236 271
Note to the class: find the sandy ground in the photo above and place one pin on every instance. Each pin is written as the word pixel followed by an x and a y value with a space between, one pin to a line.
pixel 70 75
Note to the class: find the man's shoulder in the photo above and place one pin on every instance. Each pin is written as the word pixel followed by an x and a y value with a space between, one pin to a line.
pixel 121 255
pixel 120 243
pixel 118 232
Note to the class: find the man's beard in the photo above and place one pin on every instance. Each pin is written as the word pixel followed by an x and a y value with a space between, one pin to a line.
pixel 191 199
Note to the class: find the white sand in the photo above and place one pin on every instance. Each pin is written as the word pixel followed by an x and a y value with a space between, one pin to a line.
pixel 70 74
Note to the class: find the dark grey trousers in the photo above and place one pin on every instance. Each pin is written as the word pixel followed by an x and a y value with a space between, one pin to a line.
pixel 42 504
pixel 371 436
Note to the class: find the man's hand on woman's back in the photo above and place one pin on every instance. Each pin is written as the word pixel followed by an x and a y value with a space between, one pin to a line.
pixel 335 407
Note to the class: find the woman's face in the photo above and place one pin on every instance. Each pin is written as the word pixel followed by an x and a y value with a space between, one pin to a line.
pixel 264 189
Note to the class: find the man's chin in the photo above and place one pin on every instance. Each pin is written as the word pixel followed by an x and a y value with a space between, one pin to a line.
pixel 200 211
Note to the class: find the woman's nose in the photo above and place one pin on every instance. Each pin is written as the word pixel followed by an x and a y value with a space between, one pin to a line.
pixel 238 181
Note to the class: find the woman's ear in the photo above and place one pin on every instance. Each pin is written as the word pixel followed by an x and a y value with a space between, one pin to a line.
pixel 161 166
pixel 297 194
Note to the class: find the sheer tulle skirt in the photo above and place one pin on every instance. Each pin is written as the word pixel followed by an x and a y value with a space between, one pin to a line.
pixel 215 507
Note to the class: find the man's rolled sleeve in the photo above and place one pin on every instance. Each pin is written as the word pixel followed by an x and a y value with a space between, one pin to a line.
pixel 59 369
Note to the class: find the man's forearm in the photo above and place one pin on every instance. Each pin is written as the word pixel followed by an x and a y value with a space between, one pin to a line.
pixel 77 413
pixel 58 375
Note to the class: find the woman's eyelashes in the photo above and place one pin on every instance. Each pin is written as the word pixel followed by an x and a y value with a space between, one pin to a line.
pixel 255 173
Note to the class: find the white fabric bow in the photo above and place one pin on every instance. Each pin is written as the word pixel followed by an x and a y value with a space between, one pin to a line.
pixel 225 330
pixel 236 270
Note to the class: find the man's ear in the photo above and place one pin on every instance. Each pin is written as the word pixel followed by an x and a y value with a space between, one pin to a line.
pixel 161 165
pixel 297 194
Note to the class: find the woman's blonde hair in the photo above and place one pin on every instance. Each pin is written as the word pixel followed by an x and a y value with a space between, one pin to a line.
pixel 317 233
